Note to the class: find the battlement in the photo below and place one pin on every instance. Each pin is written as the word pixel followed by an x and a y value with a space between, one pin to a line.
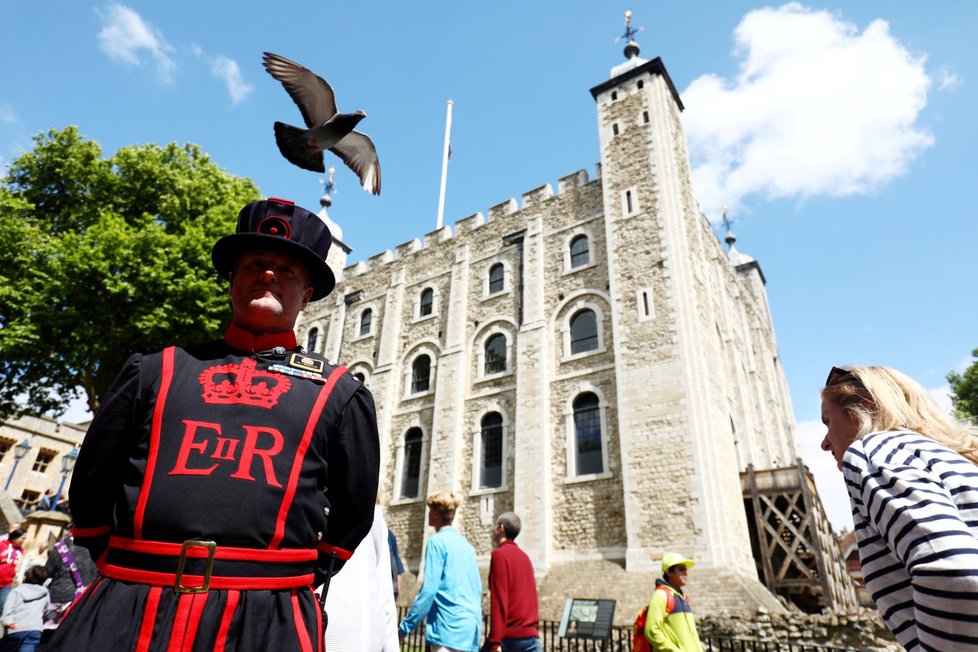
pixel 535 197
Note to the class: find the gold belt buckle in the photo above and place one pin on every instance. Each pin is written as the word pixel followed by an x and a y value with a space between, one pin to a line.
pixel 208 566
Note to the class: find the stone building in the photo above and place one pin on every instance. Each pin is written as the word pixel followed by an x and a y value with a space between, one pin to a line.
pixel 36 454
pixel 591 358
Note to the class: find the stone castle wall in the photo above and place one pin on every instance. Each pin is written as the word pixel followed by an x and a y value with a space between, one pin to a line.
pixel 686 368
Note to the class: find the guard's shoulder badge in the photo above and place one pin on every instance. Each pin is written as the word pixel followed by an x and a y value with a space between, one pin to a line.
pixel 307 363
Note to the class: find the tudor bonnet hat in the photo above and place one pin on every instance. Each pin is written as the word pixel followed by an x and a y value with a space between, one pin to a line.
pixel 279 225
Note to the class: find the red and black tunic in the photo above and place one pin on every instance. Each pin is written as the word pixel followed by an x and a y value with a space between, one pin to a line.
pixel 220 464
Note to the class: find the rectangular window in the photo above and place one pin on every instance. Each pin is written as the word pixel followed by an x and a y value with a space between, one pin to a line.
pixel 43 459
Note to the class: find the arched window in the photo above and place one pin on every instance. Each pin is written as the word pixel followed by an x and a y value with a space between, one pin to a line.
pixel 583 331
pixel 495 353
pixel 420 374
pixel 587 435
pixel 312 339
pixel 497 277
pixel 580 251
pixel 427 302
pixel 491 467
pixel 411 464
pixel 366 317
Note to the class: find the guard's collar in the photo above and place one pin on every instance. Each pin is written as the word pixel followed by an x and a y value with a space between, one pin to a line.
pixel 244 340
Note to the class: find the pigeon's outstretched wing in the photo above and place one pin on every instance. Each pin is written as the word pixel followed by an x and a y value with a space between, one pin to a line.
pixel 310 92
pixel 359 154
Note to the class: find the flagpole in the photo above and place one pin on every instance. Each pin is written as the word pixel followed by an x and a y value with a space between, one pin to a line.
pixel 444 163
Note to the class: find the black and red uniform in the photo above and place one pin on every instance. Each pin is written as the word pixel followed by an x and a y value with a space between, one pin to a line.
pixel 242 464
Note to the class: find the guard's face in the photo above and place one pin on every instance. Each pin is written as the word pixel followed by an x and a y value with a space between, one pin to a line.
pixel 268 291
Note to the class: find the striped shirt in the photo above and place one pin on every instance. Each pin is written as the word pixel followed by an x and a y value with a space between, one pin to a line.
pixel 915 507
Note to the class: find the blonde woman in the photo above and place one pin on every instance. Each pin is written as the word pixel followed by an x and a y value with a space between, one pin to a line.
pixel 912 479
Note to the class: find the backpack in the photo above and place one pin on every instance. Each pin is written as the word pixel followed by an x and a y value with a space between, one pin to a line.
pixel 639 642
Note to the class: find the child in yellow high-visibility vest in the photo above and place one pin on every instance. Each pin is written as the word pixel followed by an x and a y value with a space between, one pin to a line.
pixel 669 624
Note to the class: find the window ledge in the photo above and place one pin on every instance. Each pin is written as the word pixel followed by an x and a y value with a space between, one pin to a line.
pixel 417 320
pixel 580 268
pixel 488 490
pixel 588 477
pixel 405 501
pixel 583 354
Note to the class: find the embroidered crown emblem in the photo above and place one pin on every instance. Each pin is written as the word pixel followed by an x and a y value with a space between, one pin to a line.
pixel 242 384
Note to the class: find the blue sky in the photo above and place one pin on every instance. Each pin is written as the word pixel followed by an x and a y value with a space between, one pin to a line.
pixel 839 134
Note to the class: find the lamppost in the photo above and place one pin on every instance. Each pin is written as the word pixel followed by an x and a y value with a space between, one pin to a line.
pixel 67 466
pixel 20 450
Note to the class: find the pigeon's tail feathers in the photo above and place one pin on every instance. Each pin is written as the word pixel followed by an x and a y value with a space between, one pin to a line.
pixel 292 144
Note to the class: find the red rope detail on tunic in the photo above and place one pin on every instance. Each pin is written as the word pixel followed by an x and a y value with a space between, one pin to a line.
pixel 300 626
pixel 166 379
pixel 222 632
pixel 300 455
pixel 149 618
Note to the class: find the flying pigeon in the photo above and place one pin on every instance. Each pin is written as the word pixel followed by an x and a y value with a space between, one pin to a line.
pixel 327 129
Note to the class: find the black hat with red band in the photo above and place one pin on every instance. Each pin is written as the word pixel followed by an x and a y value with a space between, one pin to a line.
pixel 279 225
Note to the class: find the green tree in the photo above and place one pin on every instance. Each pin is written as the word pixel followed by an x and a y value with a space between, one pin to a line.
pixel 964 389
pixel 103 257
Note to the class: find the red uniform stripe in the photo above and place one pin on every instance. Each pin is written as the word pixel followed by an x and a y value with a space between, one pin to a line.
pixel 341 553
pixel 82 532
pixel 165 380
pixel 300 625
pixel 300 455
pixel 320 639
pixel 178 631
pixel 149 618
pixel 197 602
pixel 168 548
pixel 229 609
pixel 154 578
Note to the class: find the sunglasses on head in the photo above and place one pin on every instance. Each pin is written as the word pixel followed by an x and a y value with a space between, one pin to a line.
pixel 839 375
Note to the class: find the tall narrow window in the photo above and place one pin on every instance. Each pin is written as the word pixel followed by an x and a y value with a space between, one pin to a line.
pixel 583 331
pixel 580 251
pixel 497 277
pixel 628 202
pixel 587 434
pixel 420 374
pixel 641 84
pixel 614 129
pixel 411 464
pixel 366 317
pixel 312 339
pixel 427 302
pixel 645 117
pixel 495 354
pixel 491 468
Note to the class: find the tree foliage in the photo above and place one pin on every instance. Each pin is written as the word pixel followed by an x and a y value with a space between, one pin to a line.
pixel 964 389
pixel 103 257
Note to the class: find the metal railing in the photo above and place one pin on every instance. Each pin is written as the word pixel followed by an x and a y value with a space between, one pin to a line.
pixel 621 641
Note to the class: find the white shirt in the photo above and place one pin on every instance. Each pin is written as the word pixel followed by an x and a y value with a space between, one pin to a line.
pixel 360 602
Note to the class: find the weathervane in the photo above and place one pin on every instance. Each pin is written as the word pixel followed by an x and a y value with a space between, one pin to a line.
pixel 630 31
pixel 727 222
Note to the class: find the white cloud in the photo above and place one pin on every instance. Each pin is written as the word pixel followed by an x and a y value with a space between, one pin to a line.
pixel 228 70
pixel 125 36
pixel 828 477
pixel 948 80
pixel 816 109
pixel 7 114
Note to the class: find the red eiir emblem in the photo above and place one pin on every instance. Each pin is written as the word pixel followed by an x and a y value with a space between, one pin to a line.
pixel 232 384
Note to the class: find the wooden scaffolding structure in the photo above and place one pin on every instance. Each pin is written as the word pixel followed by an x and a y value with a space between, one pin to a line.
pixel 794 548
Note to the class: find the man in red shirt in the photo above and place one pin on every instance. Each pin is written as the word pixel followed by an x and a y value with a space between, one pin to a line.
pixel 514 611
